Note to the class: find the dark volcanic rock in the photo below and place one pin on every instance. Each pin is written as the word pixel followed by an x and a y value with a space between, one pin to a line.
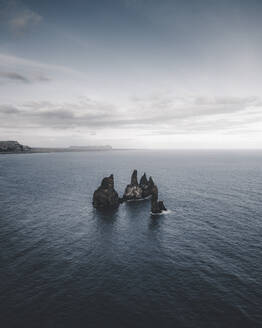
pixel 156 206
pixel 146 186
pixel 161 206
pixel 143 181
pixel 133 191
pixel 105 197
pixel 134 181
pixel 13 147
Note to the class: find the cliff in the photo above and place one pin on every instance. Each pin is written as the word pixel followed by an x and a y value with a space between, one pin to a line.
pixel 16 147
pixel 13 147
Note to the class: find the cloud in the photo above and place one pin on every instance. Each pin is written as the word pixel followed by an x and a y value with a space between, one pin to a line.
pixel 18 77
pixel 17 17
pixel 33 70
pixel 23 20
pixel 13 76
pixel 20 70
pixel 178 108
pixel 6 109
pixel 162 116
pixel 86 113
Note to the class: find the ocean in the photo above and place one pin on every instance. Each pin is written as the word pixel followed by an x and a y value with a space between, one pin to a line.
pixel 65 264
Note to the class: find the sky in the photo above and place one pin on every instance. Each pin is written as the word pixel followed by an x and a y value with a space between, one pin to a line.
pixel 132 73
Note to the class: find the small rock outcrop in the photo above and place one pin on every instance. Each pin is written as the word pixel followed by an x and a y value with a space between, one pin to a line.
pixel 157 206
pixel 133 191
pixel 105 197
pixel 146 186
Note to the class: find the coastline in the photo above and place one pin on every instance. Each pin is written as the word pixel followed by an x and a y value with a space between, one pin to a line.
pixel 50 150
pixel 60 150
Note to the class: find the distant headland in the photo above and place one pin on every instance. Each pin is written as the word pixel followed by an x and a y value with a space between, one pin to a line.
pixel 14 147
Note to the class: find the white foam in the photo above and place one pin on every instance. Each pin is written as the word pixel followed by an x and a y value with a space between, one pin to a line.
pixel 162 213
pixel 137 200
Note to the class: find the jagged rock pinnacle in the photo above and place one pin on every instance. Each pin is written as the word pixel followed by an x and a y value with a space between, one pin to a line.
pixel 105 197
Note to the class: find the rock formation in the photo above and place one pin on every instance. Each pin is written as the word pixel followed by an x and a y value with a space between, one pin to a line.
pixel 13 147
pixel 157 206
pixel 133 191
pixel 105 197
pixel 146 186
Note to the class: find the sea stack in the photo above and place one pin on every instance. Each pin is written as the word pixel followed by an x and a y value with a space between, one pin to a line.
pixel 105 197
pixel 157 206
pixel 133 191
pixel 146 186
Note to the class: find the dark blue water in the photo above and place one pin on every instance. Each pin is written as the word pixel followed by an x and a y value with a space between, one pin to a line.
pixel 63 264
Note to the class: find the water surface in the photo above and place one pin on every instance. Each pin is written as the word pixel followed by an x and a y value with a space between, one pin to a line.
pixel 64 264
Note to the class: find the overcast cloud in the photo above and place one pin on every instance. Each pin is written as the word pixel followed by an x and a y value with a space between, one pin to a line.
pixel 169 74
pixel 179 115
